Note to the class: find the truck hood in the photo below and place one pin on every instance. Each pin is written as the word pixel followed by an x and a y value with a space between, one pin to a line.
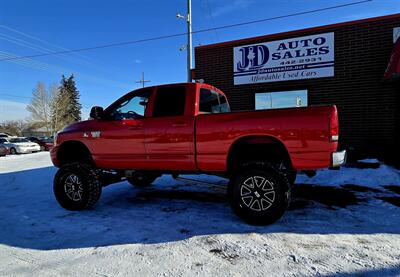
pixel 81 125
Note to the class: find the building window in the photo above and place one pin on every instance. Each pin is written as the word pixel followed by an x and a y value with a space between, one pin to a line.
pixel 281 99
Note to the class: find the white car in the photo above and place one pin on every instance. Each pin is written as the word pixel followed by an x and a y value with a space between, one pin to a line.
pixel 19 145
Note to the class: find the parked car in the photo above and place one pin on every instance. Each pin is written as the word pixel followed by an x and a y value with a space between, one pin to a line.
pixel 4 150
pixel 45 143
pixel 5 135
pixel 19 145
pixel 189 129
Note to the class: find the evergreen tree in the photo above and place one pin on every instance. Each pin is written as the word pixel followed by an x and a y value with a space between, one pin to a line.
pixel 66 108
pixel 59 105
pixel 68 90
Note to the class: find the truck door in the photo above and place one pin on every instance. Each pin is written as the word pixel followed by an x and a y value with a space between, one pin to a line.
pixel 169 132
pixel 119 143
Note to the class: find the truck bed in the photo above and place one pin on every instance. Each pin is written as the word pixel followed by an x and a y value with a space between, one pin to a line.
pixel 303 131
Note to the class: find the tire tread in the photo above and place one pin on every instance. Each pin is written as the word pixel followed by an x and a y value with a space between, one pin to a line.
pixel 92 181
pixel 271 169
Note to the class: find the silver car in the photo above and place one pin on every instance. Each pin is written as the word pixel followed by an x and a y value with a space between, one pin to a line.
pixel 19 145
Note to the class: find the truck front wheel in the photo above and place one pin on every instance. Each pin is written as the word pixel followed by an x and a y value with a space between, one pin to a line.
pixel 77 186
pixel 259 193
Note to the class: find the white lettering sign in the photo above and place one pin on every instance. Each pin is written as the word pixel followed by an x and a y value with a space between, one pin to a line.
pixel 284 60
pixel 396 34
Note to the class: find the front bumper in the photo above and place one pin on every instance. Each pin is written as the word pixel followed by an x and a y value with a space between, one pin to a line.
pixel 339 158
pixel 48 147
pixel 27 149
pixel 53 156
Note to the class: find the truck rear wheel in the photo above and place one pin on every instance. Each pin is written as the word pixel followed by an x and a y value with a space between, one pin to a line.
pixel 77 186
pixel 142 180
pixel 259 193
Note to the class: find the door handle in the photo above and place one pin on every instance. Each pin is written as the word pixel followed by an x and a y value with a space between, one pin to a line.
pixel 179 124
pixel 135 127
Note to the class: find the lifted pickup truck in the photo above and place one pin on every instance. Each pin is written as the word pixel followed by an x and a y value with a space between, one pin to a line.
pixel 189 128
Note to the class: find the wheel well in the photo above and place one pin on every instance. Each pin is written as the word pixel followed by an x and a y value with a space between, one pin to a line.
pixel 73 151
pixel 257 148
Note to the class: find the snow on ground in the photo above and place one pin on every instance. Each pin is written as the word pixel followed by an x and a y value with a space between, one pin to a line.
pixel 369 177
pixel 182 228
pixel 13 163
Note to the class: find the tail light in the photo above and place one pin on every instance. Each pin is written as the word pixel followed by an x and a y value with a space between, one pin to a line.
pixel 334 124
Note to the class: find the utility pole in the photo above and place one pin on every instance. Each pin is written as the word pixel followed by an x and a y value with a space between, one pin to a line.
pixel 189 45
pixel 143 81
pixel 189 50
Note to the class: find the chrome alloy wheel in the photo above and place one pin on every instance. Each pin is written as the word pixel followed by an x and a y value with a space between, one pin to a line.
pixel 257 193
pixel 73 187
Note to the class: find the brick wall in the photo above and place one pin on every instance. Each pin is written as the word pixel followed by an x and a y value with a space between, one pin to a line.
pixel 368 106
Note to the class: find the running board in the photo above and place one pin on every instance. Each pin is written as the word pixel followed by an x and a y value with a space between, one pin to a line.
pixel 197 181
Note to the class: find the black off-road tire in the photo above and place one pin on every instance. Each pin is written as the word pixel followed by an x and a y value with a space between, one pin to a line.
pixel 291 176
pixel 266 201
pixel 88 186
pixel 142 180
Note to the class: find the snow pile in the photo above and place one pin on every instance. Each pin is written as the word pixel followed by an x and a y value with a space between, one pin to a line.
pixel 375 178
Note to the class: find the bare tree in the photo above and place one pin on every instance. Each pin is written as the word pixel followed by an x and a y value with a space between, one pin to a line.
pixel 14 127
pixel 40 107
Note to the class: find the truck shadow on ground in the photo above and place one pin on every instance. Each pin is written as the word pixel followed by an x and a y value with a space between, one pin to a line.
pixel 174 210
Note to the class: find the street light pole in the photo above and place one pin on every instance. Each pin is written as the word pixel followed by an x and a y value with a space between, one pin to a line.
pixel 189 46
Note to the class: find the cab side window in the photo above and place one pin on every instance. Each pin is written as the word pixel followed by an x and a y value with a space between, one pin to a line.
pixel 132 108
pixel 212 102
pixel 169 101
pixel 223 104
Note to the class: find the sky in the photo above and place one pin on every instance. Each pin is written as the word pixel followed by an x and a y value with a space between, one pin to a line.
pixel 103 75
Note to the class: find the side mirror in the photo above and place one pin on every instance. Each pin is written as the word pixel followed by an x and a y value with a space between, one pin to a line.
pixel 96 112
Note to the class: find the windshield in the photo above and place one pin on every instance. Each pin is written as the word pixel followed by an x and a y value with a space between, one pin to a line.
pixel 18 140
pixel 132 108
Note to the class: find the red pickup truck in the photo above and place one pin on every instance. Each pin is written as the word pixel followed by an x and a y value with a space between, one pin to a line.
pixel 188 128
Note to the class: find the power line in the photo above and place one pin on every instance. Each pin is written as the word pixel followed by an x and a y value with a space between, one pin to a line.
pixel 15 96
pixel 23 43
pixel 185 34
pixel 38 39
pixel 27 44
pixel 77 57
pixel 85 106
pixel 28 62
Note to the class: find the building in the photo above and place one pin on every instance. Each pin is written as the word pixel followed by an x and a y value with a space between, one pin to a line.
pixel 36 132
pixel 342 64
